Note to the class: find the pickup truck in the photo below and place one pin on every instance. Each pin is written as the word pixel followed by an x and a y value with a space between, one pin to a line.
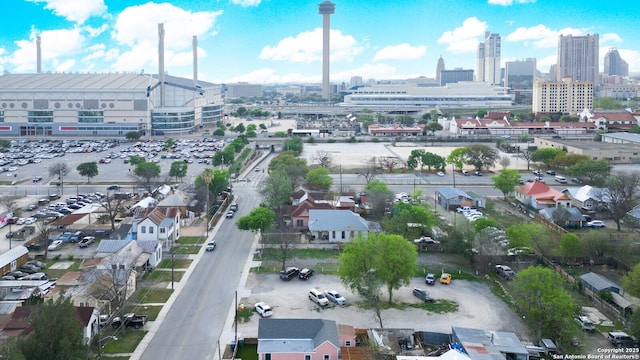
pixel 129 320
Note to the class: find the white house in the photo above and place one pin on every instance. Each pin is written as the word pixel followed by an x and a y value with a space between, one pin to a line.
pixel 160 223
pixel 336 225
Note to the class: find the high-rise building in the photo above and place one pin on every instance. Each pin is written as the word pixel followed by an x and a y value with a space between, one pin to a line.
pixel 614 65
pixel 326 9
pixel 578 58
pixel 488 66
pixel 356 81
pixel 439 68
pixel 454 76
pixel 564 96
pixel 520 74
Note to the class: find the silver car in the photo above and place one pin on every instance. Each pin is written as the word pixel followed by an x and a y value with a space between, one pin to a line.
pixel 335 297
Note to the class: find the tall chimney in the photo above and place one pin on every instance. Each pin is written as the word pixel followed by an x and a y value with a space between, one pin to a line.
pixel 195 58
pixel 38 56
pixel 161 61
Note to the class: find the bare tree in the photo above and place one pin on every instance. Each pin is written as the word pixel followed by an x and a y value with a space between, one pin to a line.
pixel 619 197
pixel 44 230
pixel 283 245
pixel 389 163
pixel 324 158
pixel 60 170
pixel 505 161
pixel 370 170
pixel 111 281
pixel 526 155
pixel 112 205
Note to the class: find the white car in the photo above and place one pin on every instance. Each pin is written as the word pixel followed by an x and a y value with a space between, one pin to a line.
pixel 335 297
pixel 263 309
pixel 592 224
pixel 440 173
pixel 30 220
pixel 21 221
pixel 471 214
pixel 54 245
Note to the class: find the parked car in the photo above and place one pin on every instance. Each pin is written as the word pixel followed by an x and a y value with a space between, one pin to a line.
pixel 430 279
pixel 422 294
pixel 621 338
pixel 445 278
pixel 289 273
pixel 505 272
pixel 130 320
pixel 211 245
pixel 35 276
pixel 335 297
pixel 36 178
pixel 17 274
pixel 86 241
pixel 585 323
pixel 65 236
pixel 31 207
pixel 318 297
pixel 230 214
pixel 305 273
pixel 54 245
pixel 37 263
pixel 29 269
pixel 10 234
pixel 551 172
pixel 263 309
pixel 596 224
pixel 440 173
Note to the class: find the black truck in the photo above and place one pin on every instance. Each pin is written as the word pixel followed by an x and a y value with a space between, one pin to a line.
pixel 129 320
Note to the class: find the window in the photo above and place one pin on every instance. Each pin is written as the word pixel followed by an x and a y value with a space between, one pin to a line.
pixel 307 357
pixel 343 234
pixel 150 229
pixel 299 223
pixel 347 343
pixel 163 230
pixel 143 229
pixel 267 356
pixel 327 357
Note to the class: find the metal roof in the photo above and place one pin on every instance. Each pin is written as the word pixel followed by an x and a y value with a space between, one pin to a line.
pixel 74 82
pixel 452 193
pixel 12 254
pixel 598 281
pixel 295 335
pixel 327 220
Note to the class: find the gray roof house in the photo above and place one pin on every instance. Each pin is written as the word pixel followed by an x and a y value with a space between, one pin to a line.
pixel 282 338
pixel 336 225
pixel 451 198
pixel 489 345
pixel 585 197
pixel 575 220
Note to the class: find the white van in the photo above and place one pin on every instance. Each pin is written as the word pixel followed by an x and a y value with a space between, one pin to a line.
pixel 318 297
pixel 561 179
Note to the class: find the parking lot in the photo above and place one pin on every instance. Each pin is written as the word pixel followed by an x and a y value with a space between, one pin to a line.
pixel 478 307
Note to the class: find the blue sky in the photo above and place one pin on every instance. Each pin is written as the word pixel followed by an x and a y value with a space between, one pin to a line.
pixel 280 41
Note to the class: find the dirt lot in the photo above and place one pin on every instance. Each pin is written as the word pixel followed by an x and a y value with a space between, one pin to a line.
pixel 478 307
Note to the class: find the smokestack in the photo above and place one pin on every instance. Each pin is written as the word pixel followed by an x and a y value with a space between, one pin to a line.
pixel 161 61
pixel 38 56
pixel 195 58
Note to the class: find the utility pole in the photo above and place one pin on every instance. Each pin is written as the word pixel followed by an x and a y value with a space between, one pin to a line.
pixel 207 177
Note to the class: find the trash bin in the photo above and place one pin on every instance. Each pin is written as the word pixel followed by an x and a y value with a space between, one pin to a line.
pixel 241 342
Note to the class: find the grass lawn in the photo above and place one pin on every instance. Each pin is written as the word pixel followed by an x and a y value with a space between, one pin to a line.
pixel 146 295
pixel 189 240
pixel 127 342
pixel 247 352
pixel 272 254
pixel 177 264
pixel 151 311
pixel 186 249
pixel 164 276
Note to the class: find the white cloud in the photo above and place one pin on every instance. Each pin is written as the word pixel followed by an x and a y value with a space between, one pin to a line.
pixel 136 27
pixel 632 57
pixel 55 44
pixel 246 3
pixel 65 65
pixel 544 63
pixel 464 38
pixel 541 36
pixel 307 47
pixel 403 51
pixel 93 32
pixel 610 37
pixel 97 52
pixel 74 10
pixel 509 2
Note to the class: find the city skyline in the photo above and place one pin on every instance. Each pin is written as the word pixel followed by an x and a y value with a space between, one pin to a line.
pixel 280 41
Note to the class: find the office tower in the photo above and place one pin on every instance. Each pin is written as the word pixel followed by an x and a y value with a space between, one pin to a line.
pixel 326 9
pixel 520 74
pixel 356 81
pixel 564 96
pixel 488 66
pixel 578 58
pixel 614 65
pixel 439 68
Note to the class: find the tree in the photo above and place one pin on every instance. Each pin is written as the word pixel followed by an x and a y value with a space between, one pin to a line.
pixel 457 157
pixel 505 161
pixel 529 234
pixel 276 192
pixel 289 164
pixel 294 144
pixel 606 103
pixel 565 160
pixel 135 160
pixel 146 174
pixel 259 219
pixel 224 157
pixel 506 181
pixel 323 157
pixel 56 335
pixel 545 155
pixel 88 169
pixel 561 215
pixel 169 143
pixel 389 163
pixel 60 170
pixel 631 281
pixel 396 264
pixel 415 159
pixel 409 221
pixel 218 132
pixel 570 246
pixel 432 160
pixel 379 195
pixel 405 120
pixel 526 154
pixel 433 127
pixel 133 136
pixel 178 169
pixel 369 170
pixel 319 177
pixel 481 113
pixel 113 206
pixel 547 306
pixel 595 170
pixel 485 222
pixel 620 196
pixel 240 128
pixel 219 180
pixel 481 156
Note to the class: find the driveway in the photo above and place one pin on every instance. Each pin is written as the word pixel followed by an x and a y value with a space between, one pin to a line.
pixel 478 307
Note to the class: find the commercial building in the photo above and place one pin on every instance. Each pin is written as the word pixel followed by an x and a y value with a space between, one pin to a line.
pixel 564 96
pixel 454 76
pixel 614 64
pixel 489 59
pixel 578 58
pixel 612 152
pixel 520 74
pixel 59 104
pixel 243 90
pixel 463 94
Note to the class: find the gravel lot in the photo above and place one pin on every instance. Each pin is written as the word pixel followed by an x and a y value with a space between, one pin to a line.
pixel 478 307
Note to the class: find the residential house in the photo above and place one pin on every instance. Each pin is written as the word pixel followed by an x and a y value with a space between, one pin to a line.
pixel 487 344
pixel 18 324
pixel 585 197
pixel 160 223
pixel 595 283
pixel 303 339
pixel 336 225
pixel 299 213
pixel 451 198
pixel 13 258
pixel 539 196
pixel 574 220
pixel 175 199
